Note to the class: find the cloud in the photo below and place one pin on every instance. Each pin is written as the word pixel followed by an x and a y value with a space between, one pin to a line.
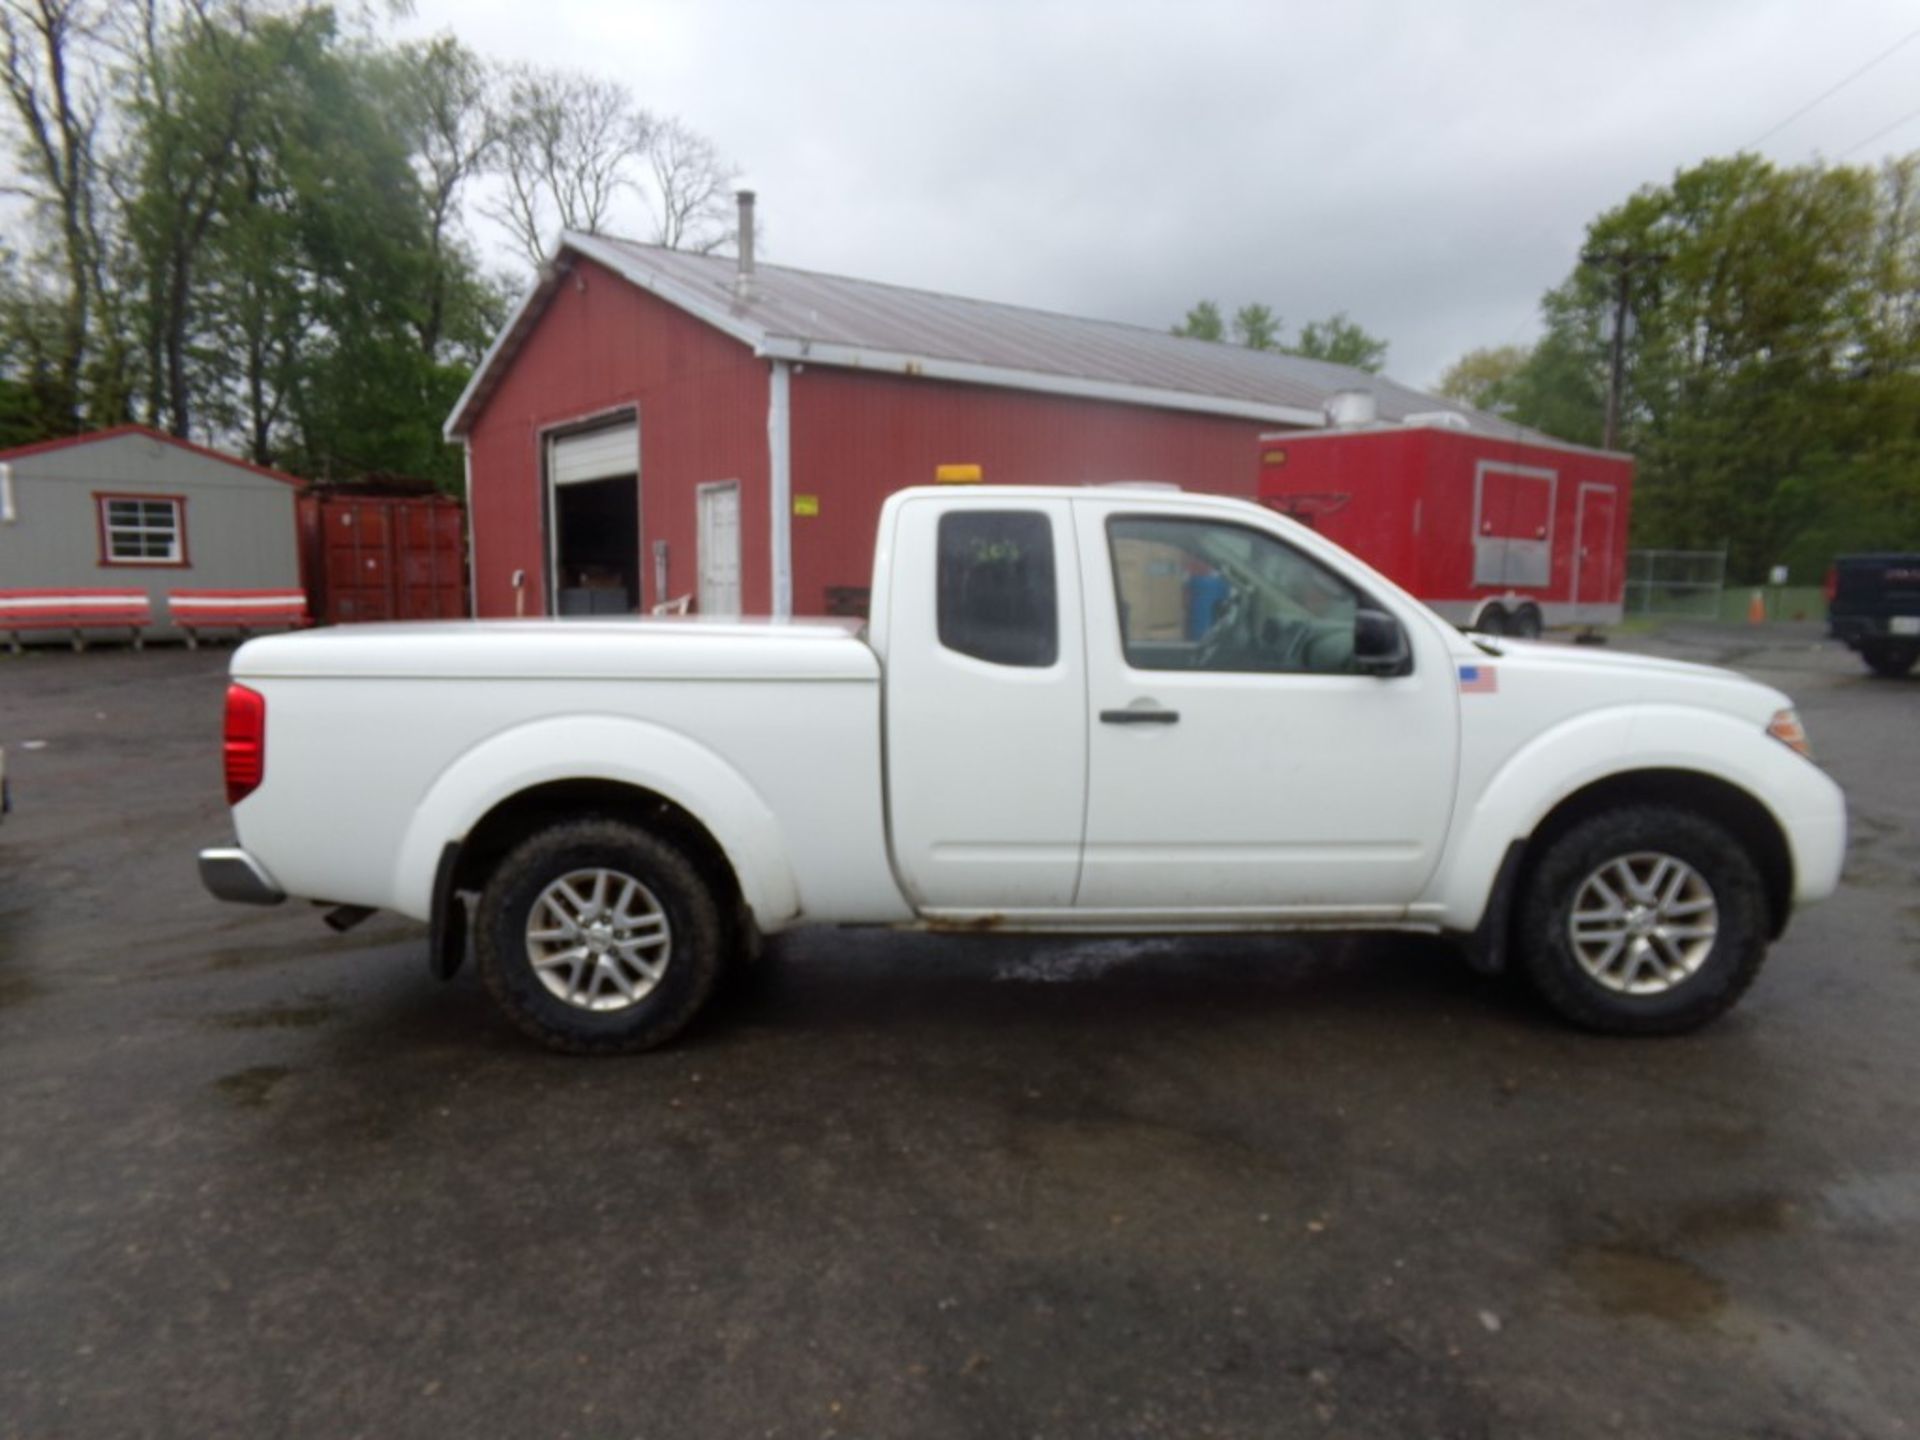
pixel 1427 168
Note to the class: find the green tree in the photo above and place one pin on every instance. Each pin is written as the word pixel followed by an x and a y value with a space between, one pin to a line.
pixel 1203 322
pixel 1341 341
pixel 1771 361
pixel 1484 378
pixel 1256 327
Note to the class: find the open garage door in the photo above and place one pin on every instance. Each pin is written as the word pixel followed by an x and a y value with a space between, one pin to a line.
pixel 593 525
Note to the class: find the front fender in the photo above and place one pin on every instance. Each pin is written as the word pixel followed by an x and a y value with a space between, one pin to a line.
pixel 1622 740
pixel 602 747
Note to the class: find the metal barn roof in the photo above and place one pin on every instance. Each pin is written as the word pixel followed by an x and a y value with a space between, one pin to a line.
pixel 800 315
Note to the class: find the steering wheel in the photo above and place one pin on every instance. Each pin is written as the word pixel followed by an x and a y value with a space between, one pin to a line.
pixel 1226 620
pixel 1285 643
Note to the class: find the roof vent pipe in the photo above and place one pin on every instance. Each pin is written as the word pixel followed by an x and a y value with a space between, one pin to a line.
pixel 1349 409
pixel 743 282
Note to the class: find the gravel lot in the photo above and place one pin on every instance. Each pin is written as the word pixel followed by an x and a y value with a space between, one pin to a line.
pixel 259 1179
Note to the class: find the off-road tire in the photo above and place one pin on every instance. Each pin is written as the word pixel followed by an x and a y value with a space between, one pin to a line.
pixel 1549 888
pixel 697 956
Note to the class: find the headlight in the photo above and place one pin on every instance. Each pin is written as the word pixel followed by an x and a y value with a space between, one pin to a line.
pixel 1787 729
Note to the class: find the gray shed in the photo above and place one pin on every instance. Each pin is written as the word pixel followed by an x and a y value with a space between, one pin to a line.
pixel 135 508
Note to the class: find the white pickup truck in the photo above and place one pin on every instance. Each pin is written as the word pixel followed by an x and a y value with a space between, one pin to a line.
pixel 1096 710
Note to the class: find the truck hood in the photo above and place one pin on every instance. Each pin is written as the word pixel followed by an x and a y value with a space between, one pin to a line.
pixel 659 648
pixel 1628 678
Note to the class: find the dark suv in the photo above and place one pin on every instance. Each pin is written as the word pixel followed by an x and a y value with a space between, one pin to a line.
pixel 1873 604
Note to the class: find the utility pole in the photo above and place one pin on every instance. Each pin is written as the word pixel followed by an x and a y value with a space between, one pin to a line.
pixel 1621 263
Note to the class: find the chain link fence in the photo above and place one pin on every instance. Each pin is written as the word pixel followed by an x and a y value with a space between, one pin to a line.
pixel 1685 583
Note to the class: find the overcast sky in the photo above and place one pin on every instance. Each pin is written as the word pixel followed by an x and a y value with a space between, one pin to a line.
pixel 1426 167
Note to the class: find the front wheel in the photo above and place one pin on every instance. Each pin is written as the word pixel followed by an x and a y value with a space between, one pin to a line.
pixel 1645 920
pixel 595 937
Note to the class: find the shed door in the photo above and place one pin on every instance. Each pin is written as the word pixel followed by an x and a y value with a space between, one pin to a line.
pixel 720 549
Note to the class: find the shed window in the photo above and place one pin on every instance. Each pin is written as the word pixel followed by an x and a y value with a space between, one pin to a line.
pixel 142 530
pixel 996 588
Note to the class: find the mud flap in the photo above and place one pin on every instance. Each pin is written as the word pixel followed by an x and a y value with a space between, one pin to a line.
pixel 1485 948
pixel 447 935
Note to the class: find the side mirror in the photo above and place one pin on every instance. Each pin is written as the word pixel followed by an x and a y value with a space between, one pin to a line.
pixel 1380 645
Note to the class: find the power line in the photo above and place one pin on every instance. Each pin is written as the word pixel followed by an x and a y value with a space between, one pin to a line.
pixel 1905 119
pixel 1828 94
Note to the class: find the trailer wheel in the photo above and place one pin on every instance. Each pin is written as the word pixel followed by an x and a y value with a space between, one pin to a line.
pixel 598 938
pixel 1492 620
pixel 1889 658
pixel 1527 624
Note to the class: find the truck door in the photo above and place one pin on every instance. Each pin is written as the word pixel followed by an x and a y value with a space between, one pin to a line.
pixel 986 705
pixel 1237 765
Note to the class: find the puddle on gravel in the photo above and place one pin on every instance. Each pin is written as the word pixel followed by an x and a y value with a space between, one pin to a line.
pixel 1624 1281
pixel 17 987
pixel 1891 1199
pixel 1083 961
pixel 300 1016
pixel 250 1088
pixel 1742 1216
pixel 269 952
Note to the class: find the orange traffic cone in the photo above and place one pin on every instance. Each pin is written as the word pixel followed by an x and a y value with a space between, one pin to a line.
pixel 1757 609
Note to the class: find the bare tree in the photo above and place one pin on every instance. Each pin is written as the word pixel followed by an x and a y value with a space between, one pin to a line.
pixel 446 97
pixel 692 190
pixel 53 81
pixel 570 145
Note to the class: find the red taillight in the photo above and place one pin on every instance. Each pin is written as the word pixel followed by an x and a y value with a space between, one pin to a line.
pixel 246 742
pixel 1833 582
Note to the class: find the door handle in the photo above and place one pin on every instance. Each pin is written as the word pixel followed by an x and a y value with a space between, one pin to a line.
pixel 1139 717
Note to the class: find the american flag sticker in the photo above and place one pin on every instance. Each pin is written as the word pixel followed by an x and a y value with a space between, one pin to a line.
pixel 1479 680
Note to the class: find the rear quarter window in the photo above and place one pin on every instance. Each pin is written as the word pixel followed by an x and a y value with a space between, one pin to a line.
pixel 997 596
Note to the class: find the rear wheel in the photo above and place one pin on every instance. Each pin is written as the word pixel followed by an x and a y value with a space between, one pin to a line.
pixel 595 937
pixel 1889 658
pixel 1527 624
pixel 1491 621
pixel 1645 920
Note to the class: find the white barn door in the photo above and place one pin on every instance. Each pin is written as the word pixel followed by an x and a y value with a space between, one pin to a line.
pixel 719 554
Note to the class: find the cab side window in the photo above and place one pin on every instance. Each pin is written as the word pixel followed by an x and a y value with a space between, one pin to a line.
pixel 997 596
pixel 1211 595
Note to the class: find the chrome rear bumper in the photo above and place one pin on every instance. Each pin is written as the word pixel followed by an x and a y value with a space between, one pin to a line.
pixel 232 874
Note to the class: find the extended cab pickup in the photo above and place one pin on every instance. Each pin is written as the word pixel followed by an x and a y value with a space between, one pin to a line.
pixel 1873 605
pixel 1106 709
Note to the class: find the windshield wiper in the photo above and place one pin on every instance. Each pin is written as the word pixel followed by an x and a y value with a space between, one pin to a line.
pixel 1486 645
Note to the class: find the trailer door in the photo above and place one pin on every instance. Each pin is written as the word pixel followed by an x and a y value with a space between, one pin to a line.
pixel 1595 581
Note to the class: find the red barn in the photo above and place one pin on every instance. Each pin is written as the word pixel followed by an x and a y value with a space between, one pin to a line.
pixel 655 426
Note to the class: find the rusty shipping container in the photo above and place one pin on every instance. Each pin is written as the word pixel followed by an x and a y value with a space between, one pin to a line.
pixel 383 552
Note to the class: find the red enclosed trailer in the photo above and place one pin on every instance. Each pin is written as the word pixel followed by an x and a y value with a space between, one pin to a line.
pixel 383 550
pixel 1500 535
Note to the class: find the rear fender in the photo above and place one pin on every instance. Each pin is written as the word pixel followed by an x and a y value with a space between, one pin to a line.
pixel 607 748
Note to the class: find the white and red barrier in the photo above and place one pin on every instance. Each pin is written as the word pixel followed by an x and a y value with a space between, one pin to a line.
pixel 75 611
pixel 241 610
